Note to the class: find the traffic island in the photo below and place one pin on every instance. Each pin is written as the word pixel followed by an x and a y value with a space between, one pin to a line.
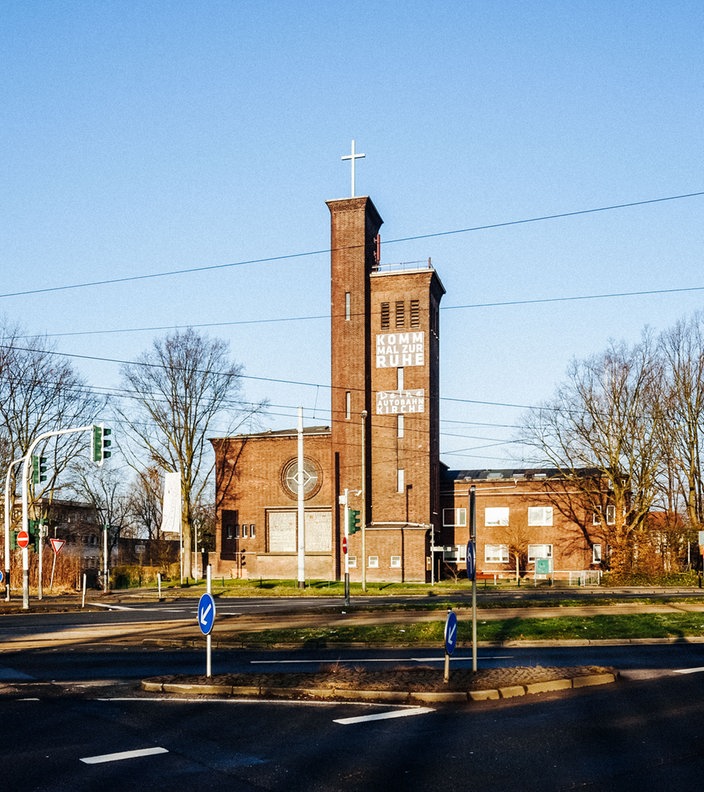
pixel 401 686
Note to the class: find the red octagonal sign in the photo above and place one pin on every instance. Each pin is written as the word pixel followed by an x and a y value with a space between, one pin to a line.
pixel 23 539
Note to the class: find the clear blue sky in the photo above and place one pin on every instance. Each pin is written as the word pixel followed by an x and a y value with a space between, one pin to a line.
pixel 140 138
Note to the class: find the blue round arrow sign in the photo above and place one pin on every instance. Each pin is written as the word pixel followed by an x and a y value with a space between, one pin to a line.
pixel 471 560
pixel 450 632
pixel 206 613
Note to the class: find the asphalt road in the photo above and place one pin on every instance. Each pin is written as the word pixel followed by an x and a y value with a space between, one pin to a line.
pixel 74 718
pixel 639 735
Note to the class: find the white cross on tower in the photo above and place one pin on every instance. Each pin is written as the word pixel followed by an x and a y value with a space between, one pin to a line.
pixel 352 157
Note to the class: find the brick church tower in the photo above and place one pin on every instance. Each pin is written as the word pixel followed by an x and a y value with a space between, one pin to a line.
pixel 385 397
pixel 381 447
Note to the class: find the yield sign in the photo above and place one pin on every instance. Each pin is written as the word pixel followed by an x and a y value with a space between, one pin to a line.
pixel 57 544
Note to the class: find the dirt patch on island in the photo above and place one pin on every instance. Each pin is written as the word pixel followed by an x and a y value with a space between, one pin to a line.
pixel 411 679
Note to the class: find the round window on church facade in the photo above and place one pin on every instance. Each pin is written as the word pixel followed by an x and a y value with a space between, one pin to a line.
pixel 312 478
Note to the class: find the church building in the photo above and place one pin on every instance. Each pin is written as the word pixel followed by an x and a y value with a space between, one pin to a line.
pixel 379 456
pixel 379 459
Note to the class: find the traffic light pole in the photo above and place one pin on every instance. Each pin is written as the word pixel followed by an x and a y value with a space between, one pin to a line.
pixel 27 459
pixel 8 516
pixel 347 548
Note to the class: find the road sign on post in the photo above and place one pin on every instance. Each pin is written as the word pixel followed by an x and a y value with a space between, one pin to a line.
pixel 206 619
pixel 23 539
pixel 450 640
pixel 471 560
pixel 206 613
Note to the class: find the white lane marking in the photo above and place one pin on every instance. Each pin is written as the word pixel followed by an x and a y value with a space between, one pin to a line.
pixel 376 660
pixel 404 713
pixel 689 670
pixel 116 757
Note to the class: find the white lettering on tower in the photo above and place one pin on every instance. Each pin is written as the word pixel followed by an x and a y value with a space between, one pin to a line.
pixel 400 349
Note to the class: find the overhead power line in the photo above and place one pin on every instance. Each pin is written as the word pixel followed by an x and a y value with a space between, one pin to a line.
pixel 318 317
pixel 290 256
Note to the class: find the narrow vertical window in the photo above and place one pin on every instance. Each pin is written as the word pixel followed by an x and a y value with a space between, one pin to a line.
pixel 415 313
pixel 400 425
pixel 348 307
pixel 401 480
pixel 385 316
pixel 348 405
pixel 399 378
pixel 400 313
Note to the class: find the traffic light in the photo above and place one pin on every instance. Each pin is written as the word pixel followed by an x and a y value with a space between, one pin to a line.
pixel 38 469
pixel 35 533
pixel 101 443
pixel 353 521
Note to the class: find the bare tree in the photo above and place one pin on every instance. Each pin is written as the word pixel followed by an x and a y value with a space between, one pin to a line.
pixel 41 392
pixel 516 538
pixel 179 388
pixel 104 489
pixel 682 348
pixel 605 420
pixel 145 501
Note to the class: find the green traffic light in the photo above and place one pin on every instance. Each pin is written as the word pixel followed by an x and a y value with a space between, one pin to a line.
pixel 353 521
pixel 38 469
pixel 100 443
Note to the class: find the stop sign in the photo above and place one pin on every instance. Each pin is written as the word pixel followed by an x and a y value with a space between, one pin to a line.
pixel 23 539
pixel 344 544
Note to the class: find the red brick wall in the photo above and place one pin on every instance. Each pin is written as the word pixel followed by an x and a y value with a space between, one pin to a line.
pixel 250 468
pixel 571 550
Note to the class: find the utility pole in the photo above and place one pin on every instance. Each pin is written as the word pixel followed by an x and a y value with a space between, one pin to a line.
pixel 301 505
pixel 363 491
pixel 473 543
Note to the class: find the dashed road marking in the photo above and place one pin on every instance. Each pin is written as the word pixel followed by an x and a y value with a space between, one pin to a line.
pixel 117 757
pixel 401 713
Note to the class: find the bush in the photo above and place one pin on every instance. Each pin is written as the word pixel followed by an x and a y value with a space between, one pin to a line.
pixel 134 576
pixel 665 579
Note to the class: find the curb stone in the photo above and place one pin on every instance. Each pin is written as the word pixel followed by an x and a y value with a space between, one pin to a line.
pixel 390 696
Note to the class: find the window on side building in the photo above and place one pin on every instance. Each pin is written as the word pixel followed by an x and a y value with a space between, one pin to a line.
pixel 496 554
pixel 540 515
pixel 496 516
pixel 539 551
pixel 454 517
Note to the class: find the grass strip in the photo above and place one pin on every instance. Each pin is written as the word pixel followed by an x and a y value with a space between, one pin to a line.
pixel 644 625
